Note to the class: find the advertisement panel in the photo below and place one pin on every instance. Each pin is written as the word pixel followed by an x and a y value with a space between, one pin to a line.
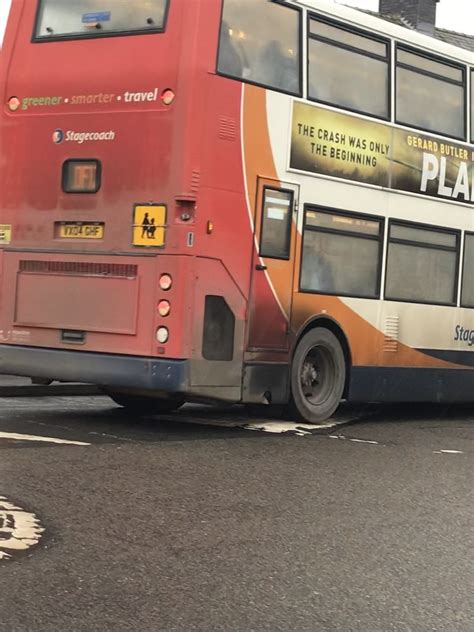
pixel 344 146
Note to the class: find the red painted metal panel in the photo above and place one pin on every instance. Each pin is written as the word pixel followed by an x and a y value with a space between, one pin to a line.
pixel 113 299
pixel 85 303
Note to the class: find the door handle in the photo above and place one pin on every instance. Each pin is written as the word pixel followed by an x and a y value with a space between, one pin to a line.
pixel 260 266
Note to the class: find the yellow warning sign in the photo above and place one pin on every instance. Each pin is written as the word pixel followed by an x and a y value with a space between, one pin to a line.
pixel 5 233
pixel 149 225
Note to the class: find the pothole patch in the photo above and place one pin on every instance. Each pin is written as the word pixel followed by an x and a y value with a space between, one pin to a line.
pixel 283 427
pixel 20 530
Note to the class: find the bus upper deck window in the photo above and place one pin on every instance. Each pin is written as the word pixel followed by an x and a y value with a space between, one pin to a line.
pixel 259 43
pixel 418 77
pixel 86 18
pixel 348 68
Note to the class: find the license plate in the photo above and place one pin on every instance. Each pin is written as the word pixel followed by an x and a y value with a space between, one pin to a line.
pixel 79 230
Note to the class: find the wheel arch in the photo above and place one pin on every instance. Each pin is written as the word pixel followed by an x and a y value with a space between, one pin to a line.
pixel 325 321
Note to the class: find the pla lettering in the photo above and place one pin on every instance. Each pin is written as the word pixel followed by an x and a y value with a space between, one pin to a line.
pixel 434 169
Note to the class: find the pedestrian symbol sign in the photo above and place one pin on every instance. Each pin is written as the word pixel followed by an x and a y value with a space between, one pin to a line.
pixel 5 233
pixel 149 224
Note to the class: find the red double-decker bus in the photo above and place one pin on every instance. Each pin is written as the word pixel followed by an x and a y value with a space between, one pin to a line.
pixel 254 201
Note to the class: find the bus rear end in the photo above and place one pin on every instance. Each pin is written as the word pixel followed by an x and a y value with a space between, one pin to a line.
pixel 90 169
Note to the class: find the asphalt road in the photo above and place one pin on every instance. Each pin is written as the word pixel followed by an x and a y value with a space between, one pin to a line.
pixel 184 525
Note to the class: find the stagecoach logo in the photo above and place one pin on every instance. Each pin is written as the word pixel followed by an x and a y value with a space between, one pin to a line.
pixel 59 136
pixel 462 334
pixel 19 530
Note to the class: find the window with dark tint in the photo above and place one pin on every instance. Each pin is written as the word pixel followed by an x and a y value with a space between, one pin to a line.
pixel 276 224
pixel 81 176
pixel 431 94
pixel 348 69
pixel 421 264
pixel 259 43
pixel 467 296
pixel 61 18
pixel 341 254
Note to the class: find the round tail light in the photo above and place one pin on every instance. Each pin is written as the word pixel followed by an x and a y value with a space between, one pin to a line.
pixel 162 335
pixel 164 308
pixel 14 104
pixel 166 282
pixel 168 96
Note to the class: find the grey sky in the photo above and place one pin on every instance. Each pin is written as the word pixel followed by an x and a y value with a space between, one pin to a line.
pixel 455 15
pixel 4 8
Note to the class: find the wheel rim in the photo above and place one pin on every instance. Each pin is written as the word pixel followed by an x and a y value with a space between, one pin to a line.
pixel 317 375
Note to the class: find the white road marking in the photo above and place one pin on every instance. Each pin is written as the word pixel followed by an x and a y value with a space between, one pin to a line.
pixel 19 530
pixel 353 440
pixel 278 427
pixel 13 436
pixel 448 452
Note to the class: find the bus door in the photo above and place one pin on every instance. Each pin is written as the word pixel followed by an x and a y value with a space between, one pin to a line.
pixel 271 287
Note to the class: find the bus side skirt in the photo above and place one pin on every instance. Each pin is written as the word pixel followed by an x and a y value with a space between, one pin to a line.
pixel 399 384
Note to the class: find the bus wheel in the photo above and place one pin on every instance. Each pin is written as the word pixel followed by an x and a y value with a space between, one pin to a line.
pixel 142 404
pixel 318 375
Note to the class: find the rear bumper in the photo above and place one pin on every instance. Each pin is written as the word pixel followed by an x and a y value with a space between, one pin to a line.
pixel 170 376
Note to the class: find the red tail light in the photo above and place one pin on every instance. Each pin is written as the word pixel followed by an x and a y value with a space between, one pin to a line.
pixel 164 308
pixel 166 282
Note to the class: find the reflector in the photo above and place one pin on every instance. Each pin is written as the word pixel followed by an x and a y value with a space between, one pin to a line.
pixel 168 97
pixel 14 104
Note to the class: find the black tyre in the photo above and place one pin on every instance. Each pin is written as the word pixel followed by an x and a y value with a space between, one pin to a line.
pixel 318 375
pixel 145 405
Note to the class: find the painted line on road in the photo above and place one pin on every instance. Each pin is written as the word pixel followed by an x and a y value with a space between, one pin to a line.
pixel 280 427
pixel 19 529
pixel 343 438
pixel 13 436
